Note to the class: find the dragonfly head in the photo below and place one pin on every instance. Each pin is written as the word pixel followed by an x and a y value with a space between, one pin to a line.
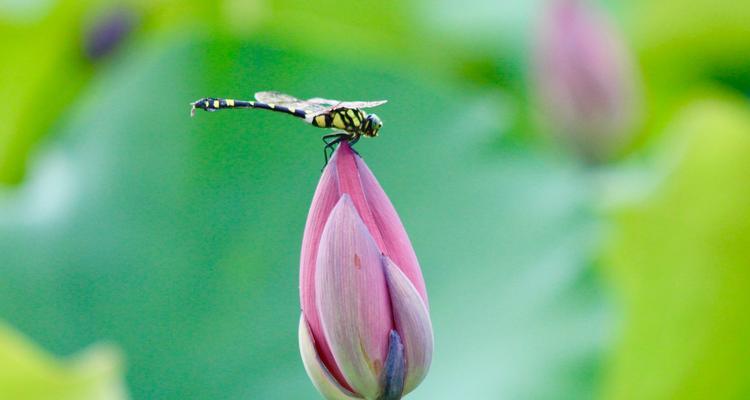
pixel 371 125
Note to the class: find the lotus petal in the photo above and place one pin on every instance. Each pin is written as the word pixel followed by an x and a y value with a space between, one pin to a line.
pixel 396 244
pixel 352 298
pixel 412 321
pixel 318 373
pixel 326 197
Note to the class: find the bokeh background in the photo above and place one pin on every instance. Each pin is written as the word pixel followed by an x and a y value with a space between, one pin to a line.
pixel 574 177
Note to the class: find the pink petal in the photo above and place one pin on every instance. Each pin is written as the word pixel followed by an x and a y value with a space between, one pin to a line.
pixel 326 197
pixel 352 298
pixel 318 373
pixel 349 182
pixel 347 173
pixel 396 244
pixel 413 324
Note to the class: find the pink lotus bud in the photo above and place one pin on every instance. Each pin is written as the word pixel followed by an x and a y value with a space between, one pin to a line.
pixel 365 329
pixel 585 78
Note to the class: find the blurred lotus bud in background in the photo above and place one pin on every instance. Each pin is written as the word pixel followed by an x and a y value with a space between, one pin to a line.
pixel 585 79
pixel 108 31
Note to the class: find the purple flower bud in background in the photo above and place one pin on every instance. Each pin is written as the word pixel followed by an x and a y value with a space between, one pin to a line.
pixel 365 329
pixel 107 33
pixel 585 79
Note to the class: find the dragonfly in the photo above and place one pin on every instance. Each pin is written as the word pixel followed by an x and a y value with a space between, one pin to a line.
pixel 348 118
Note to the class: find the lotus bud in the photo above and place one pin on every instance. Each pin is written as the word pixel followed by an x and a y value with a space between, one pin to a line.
pixel 108 33
pixel 365 329
pixel 585 79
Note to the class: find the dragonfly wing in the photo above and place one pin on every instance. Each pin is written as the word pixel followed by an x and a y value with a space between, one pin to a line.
pixel 311 108
pixel 330 105
pixel 314 106
pixel 359 104
pixel 334 104
pixel 326 103
pixel 276 98
pixel 282 99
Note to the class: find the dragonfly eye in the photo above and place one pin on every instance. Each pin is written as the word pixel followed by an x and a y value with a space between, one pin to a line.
pixel 373 125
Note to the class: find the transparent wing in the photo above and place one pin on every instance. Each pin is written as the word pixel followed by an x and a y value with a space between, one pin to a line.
pixel 276 98
pixel 359 104
pixel 334 104
pixel 323 102
pixel 286 100
pixel 316 105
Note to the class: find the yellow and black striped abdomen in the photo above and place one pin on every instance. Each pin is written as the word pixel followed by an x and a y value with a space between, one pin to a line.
pixel 211 104
pixel 278 108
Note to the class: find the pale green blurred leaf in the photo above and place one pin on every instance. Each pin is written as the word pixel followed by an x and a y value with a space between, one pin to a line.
pixel 690 39
pixel 681 44
pixel 46 64
pixel 680 263
pixel 43 69
pixel 28 373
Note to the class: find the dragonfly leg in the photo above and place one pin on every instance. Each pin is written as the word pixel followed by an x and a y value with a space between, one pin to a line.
pixel 335 135
pixel 354 141
pixel 337 138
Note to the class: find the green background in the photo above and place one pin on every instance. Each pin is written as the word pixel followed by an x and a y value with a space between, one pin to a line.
pixel 148 255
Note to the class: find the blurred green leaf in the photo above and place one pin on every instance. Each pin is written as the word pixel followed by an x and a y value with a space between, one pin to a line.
pixel 702 37
pixel 47 64
pixel 681 44
pixel 679 261
pixel 179 238
pixel 40 54
pixel 28 373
